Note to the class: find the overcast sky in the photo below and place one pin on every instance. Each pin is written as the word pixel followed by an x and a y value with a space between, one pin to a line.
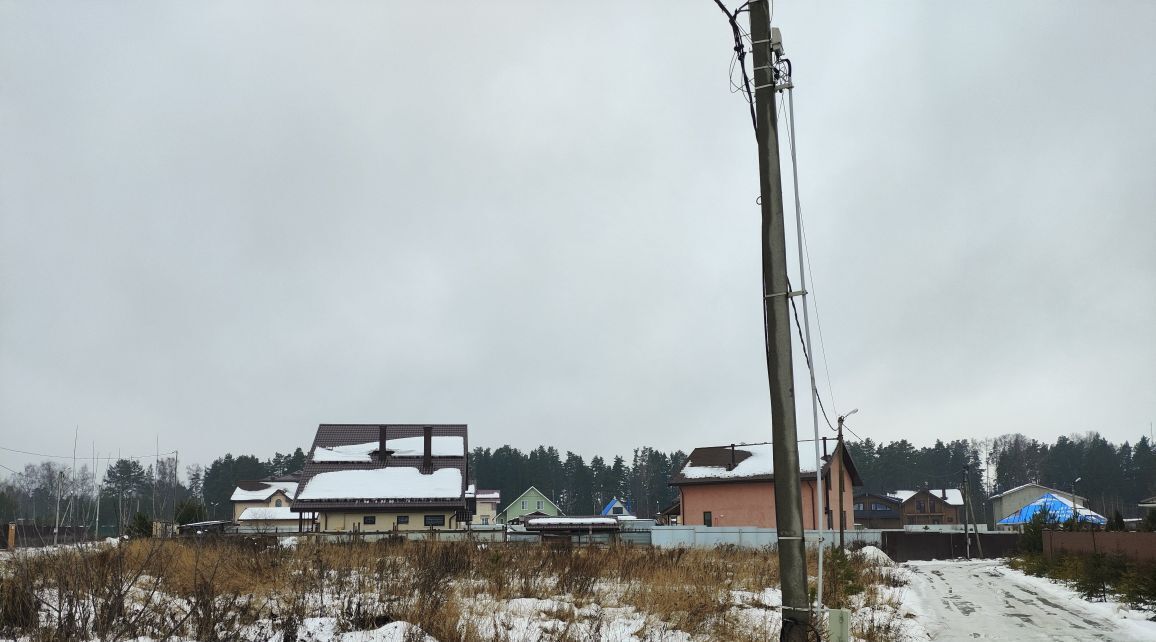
pixel 224 223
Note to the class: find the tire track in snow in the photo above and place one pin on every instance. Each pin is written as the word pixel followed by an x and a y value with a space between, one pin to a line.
pixel 973 601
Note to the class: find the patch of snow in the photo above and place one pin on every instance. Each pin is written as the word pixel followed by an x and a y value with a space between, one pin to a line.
pixel 876 556
pixel 270 513
pixel 954 495
pixel 353 453
pixel 760 462
pixel 440 446
pixel 242 495
pixel 384 483
pixel 571 521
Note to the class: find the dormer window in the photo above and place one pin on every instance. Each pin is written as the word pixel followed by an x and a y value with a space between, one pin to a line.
pixel 277 503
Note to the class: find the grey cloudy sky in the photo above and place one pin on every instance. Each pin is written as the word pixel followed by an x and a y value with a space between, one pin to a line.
pixel 224 223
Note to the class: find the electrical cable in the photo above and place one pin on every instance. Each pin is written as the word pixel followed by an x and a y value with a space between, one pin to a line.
pixel 26 452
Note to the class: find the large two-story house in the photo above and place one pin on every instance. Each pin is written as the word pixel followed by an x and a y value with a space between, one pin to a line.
pixel 735 486
pixel 386 477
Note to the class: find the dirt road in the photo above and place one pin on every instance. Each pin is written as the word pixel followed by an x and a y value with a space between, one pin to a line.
pixel 979 601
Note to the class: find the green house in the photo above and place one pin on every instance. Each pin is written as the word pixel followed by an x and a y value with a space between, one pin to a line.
pixel 531 501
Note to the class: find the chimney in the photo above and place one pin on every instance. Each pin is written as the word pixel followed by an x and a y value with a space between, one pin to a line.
pixel 943 493
pixel 427 454
pixel 382 453
pixel 732 466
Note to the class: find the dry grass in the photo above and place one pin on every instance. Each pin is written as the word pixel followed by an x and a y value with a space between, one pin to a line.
pixel 224 589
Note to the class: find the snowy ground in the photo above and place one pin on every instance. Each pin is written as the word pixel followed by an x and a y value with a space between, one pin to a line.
pixel 984 599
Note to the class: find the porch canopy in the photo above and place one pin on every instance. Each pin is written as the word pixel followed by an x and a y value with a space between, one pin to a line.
pixel 1059 510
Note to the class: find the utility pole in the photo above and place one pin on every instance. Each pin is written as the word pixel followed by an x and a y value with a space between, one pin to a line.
pixel 966 513
pixel 839 452
pixel 843 515
pixel 59 492
pixel 788 492
pixel 969 509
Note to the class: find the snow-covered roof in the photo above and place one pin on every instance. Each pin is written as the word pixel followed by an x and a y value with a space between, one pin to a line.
pixel 263 490
pixel 954 496
pixel 401 482
pixel 571 521
pixel 483 494
pixel 440 446
pixel 750 461
pixel 269 514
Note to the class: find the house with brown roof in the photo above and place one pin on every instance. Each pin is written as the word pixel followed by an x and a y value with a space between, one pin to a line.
pixel 931 507
pixel 386 477
pixel 735 486
pixel 263 504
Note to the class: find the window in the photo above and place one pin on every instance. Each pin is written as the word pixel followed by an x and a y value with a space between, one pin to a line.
pixel 539 507
pixel 919 506
pixel 523 504
pixel 933 506
pixel 435 520
pixel 369 519
pixel 277 503
pixel 617 510
pixel 485 521
pixel 859 506
pixel 706 519
pixel 403 519
pixel 878 506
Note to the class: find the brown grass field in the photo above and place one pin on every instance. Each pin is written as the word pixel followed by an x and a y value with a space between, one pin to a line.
pixel 214 590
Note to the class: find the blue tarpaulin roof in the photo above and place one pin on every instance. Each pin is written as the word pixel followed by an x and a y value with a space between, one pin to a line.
pixel 1059 510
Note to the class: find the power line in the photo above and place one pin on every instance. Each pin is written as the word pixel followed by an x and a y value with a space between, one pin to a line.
pixel 811 270
pixel 27 452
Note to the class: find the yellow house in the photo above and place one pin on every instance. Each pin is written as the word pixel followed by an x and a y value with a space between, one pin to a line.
pixel 485 505
pixel 264 505
pixel 385 477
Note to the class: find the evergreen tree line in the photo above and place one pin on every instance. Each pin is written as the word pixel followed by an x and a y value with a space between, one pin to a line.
pixel 1112 477
pixel 578 487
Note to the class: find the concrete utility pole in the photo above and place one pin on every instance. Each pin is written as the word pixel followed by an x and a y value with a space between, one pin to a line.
pixel 966 513
pixel 842 516
pixel 788 492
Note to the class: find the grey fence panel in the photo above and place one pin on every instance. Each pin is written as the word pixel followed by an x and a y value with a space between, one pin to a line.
pixel 748 537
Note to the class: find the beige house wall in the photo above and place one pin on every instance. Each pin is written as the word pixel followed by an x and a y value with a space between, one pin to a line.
pixel 346 522
pixel 486 509
pixel 239 507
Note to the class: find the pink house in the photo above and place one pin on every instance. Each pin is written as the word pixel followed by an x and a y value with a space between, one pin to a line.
pixel 735 486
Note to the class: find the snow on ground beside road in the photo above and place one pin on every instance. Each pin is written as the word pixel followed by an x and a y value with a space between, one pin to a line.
pixel 964 600
pixel 1137 622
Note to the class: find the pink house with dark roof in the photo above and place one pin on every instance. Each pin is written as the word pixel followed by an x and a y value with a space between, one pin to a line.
pixel 735 486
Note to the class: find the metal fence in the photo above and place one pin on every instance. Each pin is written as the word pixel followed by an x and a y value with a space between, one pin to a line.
pixel 748 536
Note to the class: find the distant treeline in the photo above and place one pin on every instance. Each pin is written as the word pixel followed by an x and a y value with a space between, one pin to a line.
pixel 580 488
pixel 1113 477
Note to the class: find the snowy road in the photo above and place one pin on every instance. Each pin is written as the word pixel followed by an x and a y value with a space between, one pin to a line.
pixel 984 600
